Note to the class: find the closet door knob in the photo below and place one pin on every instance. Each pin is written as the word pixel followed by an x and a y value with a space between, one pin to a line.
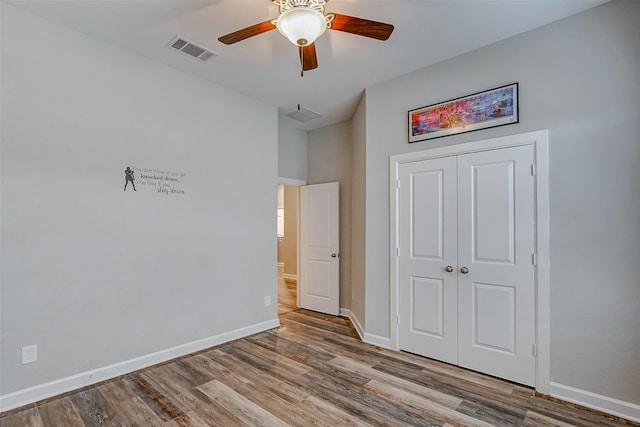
pixel 448 269
pixel 464 270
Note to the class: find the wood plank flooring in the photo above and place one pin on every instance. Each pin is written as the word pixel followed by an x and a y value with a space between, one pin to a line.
pixel 313 370
pixel 287 295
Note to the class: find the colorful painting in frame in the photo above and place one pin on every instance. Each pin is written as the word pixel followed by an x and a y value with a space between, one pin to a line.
pixel 482 110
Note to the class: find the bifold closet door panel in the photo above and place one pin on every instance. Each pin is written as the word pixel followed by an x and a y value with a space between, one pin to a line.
pixel 496 287
pixel 427 237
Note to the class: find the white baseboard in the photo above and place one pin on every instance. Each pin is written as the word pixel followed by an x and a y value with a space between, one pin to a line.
pixel 619 408
pixel 377 340
pixel 64 385
pixel 290 277
pixel 365 337
pixel 345 312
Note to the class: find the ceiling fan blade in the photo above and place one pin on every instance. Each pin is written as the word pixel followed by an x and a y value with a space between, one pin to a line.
pixel 361 27
pixel 308 58
pixel 245 33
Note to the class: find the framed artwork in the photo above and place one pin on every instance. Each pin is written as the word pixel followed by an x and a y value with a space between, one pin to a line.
pixel 482 110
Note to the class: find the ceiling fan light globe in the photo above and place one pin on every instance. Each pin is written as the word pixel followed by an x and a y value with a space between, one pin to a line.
pixel 301 25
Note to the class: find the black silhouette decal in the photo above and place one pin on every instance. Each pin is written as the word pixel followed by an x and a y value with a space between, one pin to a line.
pixel 128 176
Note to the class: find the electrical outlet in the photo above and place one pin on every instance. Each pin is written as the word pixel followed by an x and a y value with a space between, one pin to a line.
pixel 29 354
pixel 267 301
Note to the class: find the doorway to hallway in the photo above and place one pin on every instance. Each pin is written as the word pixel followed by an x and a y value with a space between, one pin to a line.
pixel 308 245
pixel 288 202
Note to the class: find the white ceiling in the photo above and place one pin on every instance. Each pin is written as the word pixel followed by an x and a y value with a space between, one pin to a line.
pixel 266 67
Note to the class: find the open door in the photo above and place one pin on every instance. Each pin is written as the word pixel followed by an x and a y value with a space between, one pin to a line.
pixel 319 248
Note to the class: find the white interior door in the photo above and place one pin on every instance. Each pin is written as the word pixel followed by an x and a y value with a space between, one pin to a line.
pixel 428 235
pixel 496 288
pixel 319 248
pixel 466 276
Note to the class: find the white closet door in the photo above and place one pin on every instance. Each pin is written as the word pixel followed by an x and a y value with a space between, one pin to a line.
pixel 474 215
pixel 496 289
pixel 427 244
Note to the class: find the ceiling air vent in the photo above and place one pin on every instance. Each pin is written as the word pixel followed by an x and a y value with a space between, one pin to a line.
pixel 189 48
pixel 303 115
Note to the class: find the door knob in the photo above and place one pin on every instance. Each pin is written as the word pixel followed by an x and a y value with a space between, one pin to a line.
pixel 333 255
pixel 464 270
pixel 448 269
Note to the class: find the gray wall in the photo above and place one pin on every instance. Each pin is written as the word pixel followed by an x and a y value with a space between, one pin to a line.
pixel 579 78
pixel 329 160
pixel 292 151
pixel 94 275
pixel 358 211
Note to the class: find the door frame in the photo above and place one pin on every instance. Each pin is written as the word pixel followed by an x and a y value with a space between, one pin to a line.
pixel 540 142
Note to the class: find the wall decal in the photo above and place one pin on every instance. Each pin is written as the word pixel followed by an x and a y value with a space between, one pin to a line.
pixel 128 178
pixel 164 182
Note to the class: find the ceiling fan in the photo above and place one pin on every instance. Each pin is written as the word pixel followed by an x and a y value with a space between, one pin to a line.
pixel 303 21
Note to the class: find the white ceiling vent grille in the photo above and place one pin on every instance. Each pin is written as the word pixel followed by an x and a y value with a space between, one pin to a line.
pixel 303 115
pixel 191 49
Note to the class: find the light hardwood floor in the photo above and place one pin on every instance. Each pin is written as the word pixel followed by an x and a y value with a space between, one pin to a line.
pixel 313 370
pixel 287 295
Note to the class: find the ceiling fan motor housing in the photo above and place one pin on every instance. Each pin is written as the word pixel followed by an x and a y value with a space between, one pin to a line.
pixel 311 4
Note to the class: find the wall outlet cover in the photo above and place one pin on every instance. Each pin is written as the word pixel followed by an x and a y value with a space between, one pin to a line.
pixel 29 354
